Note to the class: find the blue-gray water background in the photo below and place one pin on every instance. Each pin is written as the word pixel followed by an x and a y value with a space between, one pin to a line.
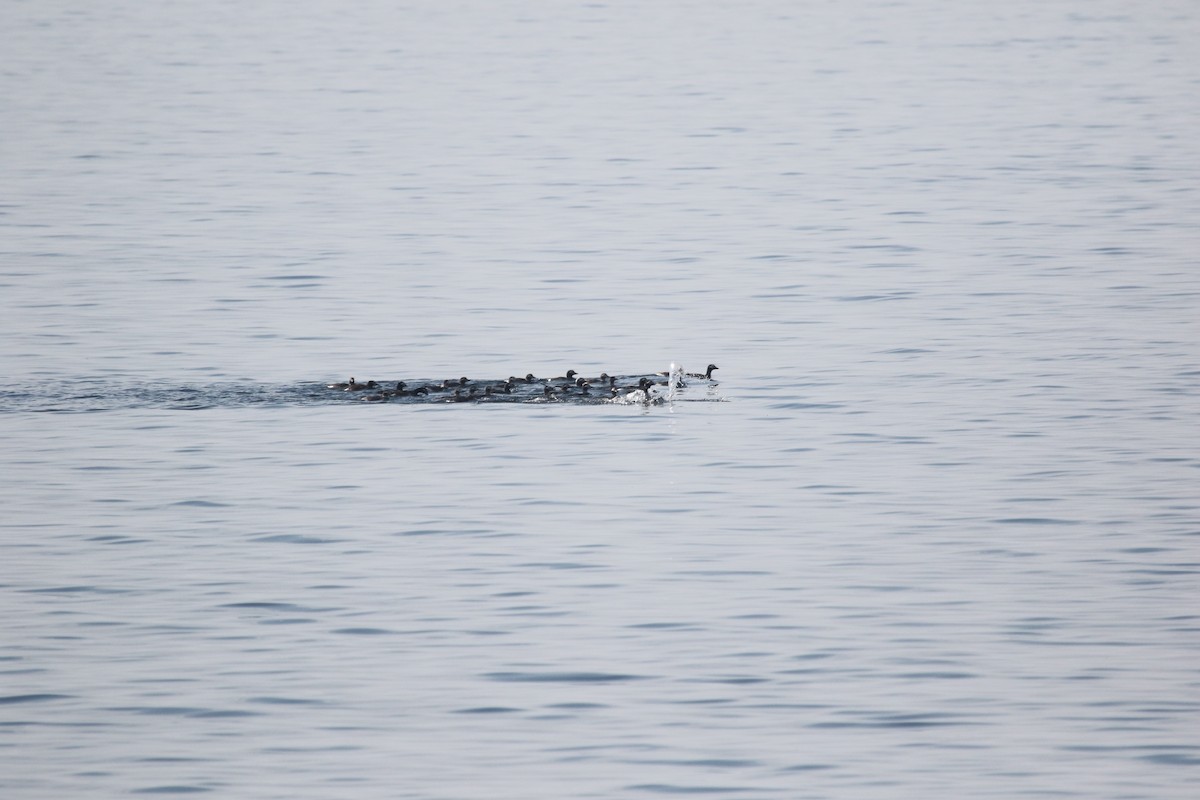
pixel 939 540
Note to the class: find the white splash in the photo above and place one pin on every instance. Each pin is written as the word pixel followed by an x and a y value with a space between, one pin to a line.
pixel 675 381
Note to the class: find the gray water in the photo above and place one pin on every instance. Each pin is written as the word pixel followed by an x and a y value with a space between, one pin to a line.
pixel 937 538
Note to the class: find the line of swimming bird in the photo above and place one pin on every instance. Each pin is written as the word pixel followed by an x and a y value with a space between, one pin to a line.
pixel 571 386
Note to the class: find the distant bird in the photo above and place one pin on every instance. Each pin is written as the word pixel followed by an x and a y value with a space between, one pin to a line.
pixel 603 380
pixel 707 374
pixel 641 394
pixel 566 388
pixel 402 390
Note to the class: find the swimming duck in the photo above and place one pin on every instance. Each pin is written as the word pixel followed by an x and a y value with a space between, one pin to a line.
pixel 345 385
pixel 570 376
pixel 361 387
pixel 707 374
pixel 640 394
pixel 402 390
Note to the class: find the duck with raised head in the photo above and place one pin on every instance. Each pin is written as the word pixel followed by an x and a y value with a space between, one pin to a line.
pixel 706 375
pixel 402 390
pixel 344 385
pixel 568 378
pixel 361 387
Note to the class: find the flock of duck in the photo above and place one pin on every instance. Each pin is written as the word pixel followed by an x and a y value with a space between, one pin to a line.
pixel 640 389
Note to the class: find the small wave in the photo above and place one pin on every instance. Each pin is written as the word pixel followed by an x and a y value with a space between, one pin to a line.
pixel 14 699
pixel 172 789
pixel 563 677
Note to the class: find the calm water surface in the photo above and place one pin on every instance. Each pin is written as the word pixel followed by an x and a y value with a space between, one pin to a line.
pixel 939 537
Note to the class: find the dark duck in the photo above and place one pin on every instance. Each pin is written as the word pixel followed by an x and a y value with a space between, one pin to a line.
pixel 706 375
